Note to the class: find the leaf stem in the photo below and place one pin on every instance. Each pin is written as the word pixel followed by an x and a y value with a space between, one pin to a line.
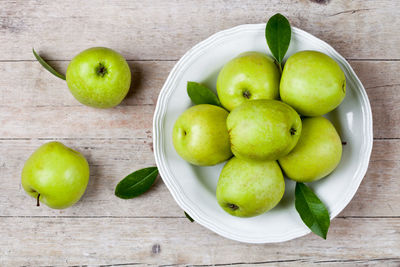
pixel 37 200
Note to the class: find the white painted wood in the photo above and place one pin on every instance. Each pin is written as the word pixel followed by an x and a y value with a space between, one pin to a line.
pixel 169 241
pixel 27 84
pixel 161 29
pixel 102 229
pixel 112 159
pixel 31 92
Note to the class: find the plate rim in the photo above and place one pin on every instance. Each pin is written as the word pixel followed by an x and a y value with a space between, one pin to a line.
pixel 177 192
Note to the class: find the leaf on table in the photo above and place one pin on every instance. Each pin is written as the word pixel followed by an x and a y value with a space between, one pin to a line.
pixel 200 94
pixel 136 183
pixel 47 66
pixel 311 210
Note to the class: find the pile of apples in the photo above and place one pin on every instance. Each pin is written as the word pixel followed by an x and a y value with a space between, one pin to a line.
pixel 266 118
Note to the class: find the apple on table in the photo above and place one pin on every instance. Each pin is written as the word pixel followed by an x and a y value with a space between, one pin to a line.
pixel 99 77
pixel 55 175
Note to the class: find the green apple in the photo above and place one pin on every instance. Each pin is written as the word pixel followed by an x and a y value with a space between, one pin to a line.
pixel 312 83
pixel 263 129
pixel 200 135
pixel 99 77
pixel 251 75
pixel 55 175
pixel 249 188
pixel 317 153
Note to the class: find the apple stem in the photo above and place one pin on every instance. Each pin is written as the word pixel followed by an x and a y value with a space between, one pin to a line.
pixel 101 70
pixel 37 201
pixel 233 206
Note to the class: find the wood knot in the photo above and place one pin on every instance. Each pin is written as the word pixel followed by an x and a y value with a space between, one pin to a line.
pixel 322 2
pixel 156 249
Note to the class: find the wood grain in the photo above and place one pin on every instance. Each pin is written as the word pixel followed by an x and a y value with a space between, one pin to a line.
pixel 71 241
pixel 27 84
pixel 37 97
pixel 151 230
pixel 166 29
pixel 113 159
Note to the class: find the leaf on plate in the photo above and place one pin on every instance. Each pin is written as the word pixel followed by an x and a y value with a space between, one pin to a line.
pixel 189 218
pixel 200 94
pixel 278 34
pixel 136 183
pixel 47 66
pixel 311 210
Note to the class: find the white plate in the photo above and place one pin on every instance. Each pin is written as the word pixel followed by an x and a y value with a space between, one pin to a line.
pixel 193 188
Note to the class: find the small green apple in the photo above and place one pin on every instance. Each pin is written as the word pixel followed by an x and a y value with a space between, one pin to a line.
pixel 99 77
pixel 251 75
pixel 56 175
pixel 317 153
pixel 312 83
pixel 263 129
pixel 200 135
pixel 249 188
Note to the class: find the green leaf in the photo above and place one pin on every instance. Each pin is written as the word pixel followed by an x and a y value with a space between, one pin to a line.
pixel 199 94
pixel 47 66
pixel 187 216
pixel 312 211
pixel 278 34
pixel 136 183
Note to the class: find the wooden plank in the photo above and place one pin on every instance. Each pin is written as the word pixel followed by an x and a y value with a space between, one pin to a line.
pixel 76 122
pixel 151 230
pixel 35 99
pixel 29 84
pixel 381 178
pixel 166 29
pixel 113 159
pixel 382 85
pixel 71 241
pixel 110 160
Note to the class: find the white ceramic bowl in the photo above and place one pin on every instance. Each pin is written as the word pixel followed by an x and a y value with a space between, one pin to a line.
pixel 193 188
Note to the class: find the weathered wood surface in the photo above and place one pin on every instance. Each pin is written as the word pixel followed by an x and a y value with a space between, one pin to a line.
pixel 36 107
pixel 170 241
pixel 112 159
pixel 39 98
pixel 161 29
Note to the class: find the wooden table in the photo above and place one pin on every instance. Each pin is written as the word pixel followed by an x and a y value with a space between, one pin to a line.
pixel 36 107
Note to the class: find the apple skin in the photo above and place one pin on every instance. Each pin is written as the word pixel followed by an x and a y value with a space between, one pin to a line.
pixel 251 75
pixel 312 83
pixel 59 174
pixel 99 77
pixel 249 188
pixel 200 135
pixel 317 153
pixel 263 129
